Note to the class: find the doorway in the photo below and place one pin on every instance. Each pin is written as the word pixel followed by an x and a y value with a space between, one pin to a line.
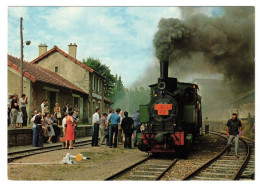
pixel 52 98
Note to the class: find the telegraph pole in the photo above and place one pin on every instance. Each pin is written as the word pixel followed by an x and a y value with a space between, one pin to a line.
pixel 21 64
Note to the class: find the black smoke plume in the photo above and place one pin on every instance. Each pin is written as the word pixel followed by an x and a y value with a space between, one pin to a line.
pixel 211 44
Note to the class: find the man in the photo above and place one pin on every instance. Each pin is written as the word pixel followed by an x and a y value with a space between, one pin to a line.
pixel 137 125
pixel 66 109
pixel 206 122
pixel 33 126
pixel 115 119
pixel 95 123
pixel 23 102
pixel 120 132
pixel 39 132
pixel 102 128
pixel 127 126
pixel 108 127
pixel 234 130
pixel 14 110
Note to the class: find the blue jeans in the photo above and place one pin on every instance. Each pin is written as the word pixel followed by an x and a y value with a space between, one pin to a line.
pixel 230 141
pixel 34 136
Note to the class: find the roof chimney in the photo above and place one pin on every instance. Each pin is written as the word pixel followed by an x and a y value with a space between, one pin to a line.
pixel 73 50
pixel 42 49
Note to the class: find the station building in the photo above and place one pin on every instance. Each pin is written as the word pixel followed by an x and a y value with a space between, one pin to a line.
pixel 59 77
pixel 40 84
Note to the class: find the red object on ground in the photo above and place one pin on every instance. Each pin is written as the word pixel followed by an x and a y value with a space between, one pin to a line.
pixel 70 131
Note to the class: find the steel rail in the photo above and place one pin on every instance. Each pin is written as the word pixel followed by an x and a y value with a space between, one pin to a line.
pixel 167 169
pixel 43 150
pixel 114 176
pixel 195 172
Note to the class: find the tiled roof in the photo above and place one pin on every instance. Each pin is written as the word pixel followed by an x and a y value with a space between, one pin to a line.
pixel 37 73
pixel 57 49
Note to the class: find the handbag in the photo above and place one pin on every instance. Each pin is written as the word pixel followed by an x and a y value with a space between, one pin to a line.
pixel 62 139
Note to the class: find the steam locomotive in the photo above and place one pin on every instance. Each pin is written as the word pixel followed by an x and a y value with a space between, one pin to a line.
pixel 172 118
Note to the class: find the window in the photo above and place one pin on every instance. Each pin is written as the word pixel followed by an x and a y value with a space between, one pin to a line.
pixel 93 84
pixel 98 83
pixel 56 69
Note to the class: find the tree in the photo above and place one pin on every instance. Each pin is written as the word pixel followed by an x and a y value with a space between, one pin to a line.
pixel 102 69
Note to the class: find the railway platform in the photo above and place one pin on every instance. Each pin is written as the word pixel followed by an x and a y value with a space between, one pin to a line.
pixel 46 145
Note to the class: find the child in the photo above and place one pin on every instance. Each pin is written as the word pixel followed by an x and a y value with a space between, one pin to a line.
pixel 19 119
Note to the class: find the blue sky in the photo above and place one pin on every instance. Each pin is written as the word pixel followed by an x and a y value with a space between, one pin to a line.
pixel 121 37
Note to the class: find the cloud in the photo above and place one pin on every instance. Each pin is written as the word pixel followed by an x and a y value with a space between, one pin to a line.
pixel 121 37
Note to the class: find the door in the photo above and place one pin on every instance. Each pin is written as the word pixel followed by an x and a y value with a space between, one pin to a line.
pixel 51 96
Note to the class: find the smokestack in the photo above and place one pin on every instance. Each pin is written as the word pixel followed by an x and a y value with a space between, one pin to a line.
pixel 164 70
pixel 73 50
pixel 42 49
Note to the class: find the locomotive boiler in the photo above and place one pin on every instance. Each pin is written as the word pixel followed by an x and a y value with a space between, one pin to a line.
pixel 172 118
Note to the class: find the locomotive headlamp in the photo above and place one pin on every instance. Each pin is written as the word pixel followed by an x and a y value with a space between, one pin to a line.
pixel 174 124
pixel 161 85
pixel 194 86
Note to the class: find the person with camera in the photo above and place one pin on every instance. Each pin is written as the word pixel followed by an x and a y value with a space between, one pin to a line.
pixel 23 101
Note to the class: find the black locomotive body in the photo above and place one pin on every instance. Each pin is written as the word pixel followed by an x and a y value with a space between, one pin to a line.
pixel 173 116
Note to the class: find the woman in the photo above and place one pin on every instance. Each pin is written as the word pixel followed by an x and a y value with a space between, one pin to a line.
pixel 48 125
pixel 70 131
pixel 19 122
pixel 57 113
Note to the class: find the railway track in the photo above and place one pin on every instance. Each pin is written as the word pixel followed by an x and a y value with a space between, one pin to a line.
pixel 29 152
pixel 226 167
pixel 146 169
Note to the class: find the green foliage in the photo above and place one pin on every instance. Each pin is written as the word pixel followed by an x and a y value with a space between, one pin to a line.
pixel 126 99
pixel 132 99
pixel 103 70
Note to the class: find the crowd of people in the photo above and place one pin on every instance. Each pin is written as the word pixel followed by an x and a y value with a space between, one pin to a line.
pixel 114 128
pixel 16 111
pixel 45 126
